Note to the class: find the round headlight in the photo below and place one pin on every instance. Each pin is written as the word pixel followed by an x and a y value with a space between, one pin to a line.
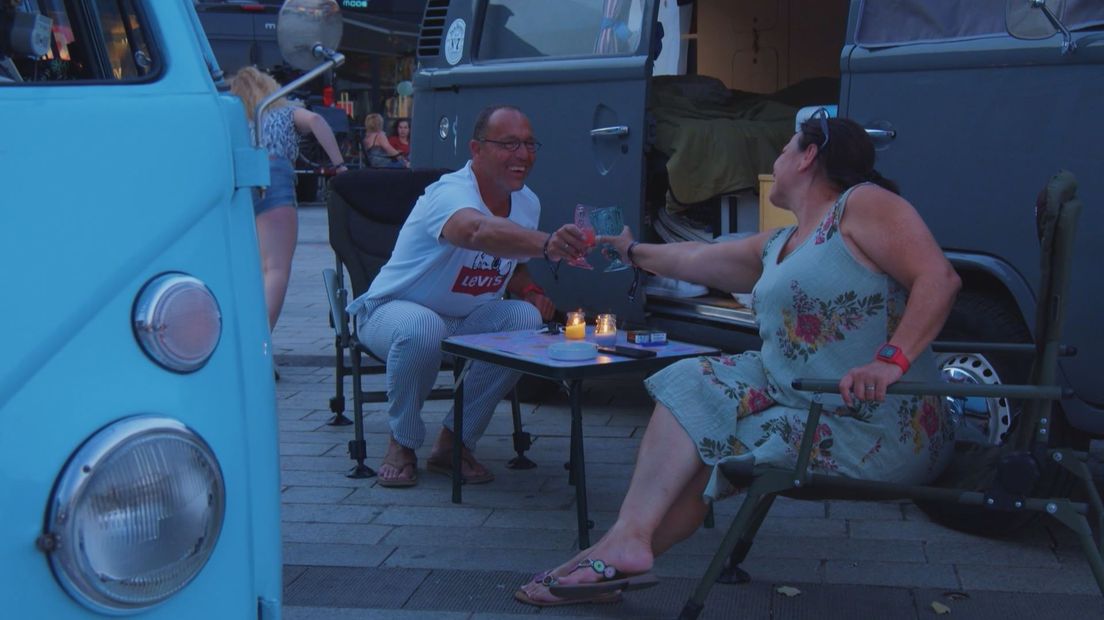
pixel 135 514
pixel 177 321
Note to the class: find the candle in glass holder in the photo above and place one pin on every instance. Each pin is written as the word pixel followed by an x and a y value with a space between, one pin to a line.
pixel 605 330
pixel 575 329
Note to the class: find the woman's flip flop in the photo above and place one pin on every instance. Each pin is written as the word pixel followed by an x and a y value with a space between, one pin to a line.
pixel 546 579
pixel 611 581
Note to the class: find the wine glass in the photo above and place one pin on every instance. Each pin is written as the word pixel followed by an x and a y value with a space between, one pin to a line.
pixel 582 221
pixel 608 221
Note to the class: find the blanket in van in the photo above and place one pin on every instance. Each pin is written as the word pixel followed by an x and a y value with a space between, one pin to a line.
pixel 718 141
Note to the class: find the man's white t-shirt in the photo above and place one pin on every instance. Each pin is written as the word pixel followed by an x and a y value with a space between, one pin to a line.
pixel 428 270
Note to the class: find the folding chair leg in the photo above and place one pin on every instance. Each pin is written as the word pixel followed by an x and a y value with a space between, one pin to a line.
pixel 732 572
pixel 337 403
pixel 741 528
pixel 1063 512
pixel 522 440
pixel 358 448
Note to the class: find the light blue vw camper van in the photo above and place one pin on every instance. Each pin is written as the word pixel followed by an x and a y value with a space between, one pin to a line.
pixel 138 450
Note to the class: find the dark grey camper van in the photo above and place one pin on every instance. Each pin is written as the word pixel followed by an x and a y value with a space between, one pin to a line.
pixel 675 110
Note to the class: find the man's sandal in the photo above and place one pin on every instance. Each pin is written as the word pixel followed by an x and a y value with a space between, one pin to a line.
pixel 611 580
pixel 443 465
pixel 400 481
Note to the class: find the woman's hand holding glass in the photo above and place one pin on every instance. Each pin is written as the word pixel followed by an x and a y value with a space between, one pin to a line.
pixel 619 243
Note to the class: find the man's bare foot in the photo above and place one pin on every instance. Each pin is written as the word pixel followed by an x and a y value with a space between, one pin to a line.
pixel 399 467
pixel 440 460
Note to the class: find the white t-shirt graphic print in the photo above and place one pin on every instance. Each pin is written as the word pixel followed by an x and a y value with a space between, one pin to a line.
pixel 427 270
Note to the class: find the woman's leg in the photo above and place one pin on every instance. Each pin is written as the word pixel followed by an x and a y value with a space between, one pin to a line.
pixel 277 230
pixel 663 505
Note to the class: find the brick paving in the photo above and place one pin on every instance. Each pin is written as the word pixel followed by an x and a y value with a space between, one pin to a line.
pixel 356 550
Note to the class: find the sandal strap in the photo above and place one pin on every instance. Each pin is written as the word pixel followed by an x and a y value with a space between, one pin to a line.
pixel 605 570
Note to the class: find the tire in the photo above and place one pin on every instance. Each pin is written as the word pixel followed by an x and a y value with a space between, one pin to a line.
pixel 980 317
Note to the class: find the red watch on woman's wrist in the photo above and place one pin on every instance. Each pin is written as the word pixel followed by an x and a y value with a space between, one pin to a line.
pixel 531 288
pixel 892 354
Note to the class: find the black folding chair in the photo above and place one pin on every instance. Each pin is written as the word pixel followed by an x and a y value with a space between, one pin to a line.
pixel 366 209
pixel 1016 464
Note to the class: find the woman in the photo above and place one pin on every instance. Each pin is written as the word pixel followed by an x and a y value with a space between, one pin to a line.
pixel 277 221
pixel 377 149
pixel 859 270
pixel 400 137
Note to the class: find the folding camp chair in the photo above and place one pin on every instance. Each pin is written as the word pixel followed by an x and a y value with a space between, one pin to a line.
pixel 1016 464
pixel 366 209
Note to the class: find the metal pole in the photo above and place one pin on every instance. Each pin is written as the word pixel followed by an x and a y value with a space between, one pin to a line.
pixel 333 60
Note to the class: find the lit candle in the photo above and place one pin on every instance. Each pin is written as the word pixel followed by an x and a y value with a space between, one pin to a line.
pixel 605 330
pixel 576 326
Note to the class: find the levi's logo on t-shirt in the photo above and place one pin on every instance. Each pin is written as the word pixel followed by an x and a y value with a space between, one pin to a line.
pixel 487 274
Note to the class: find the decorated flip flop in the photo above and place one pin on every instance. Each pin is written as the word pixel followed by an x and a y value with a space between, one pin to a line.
pixel 611 580
pixel 546 579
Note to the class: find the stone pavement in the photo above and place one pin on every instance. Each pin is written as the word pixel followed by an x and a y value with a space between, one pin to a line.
pixel 356 550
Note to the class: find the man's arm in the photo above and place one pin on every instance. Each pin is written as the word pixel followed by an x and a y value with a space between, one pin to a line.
pixel 498 236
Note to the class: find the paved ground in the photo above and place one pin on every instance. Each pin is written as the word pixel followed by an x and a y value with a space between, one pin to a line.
pixel 355 550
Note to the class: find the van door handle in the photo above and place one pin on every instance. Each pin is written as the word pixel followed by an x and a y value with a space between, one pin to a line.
pixel 881 134
pixel 615 130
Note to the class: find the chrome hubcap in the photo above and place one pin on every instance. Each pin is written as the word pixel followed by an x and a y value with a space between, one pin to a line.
pixel 980 420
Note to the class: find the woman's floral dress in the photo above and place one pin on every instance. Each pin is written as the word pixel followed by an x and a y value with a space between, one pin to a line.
pixel 820 313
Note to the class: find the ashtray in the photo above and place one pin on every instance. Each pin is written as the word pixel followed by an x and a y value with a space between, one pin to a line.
pixel 572 350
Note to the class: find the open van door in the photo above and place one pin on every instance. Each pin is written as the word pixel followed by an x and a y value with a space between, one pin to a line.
pixel 579 69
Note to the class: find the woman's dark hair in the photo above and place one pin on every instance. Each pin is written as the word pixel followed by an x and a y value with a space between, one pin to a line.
pixel 848 157
pixel 395 125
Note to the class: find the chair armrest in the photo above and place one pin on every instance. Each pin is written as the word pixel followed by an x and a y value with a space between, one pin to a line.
pixel 336 297
pixel 940 388
pixel 1017 348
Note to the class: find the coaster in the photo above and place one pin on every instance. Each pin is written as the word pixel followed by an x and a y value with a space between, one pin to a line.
pixel 572 350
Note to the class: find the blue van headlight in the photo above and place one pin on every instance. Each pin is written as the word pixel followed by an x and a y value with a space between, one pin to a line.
pixel 177 321
pixel 135 514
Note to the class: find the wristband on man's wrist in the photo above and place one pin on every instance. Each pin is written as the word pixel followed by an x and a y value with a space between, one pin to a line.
pixel 544 250
pixel 532 287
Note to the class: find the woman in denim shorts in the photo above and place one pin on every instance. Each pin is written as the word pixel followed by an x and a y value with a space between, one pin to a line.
pixel 277 221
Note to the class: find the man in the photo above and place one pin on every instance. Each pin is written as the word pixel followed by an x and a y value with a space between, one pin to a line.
pixel 456 255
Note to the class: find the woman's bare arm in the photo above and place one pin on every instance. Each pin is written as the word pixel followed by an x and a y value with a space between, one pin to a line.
pixel 309 122
pixel 732 266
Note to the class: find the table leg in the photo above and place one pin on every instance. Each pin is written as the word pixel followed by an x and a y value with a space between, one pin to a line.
pixel 458 429
pixel 578 463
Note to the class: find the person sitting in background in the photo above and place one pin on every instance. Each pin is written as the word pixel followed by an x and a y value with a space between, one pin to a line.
pixel 378 151
pixel 400 137
pixel 858 289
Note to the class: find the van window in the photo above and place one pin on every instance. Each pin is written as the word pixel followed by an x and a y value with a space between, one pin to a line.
pixel 97 40
pixel 885 24
pixel 538 28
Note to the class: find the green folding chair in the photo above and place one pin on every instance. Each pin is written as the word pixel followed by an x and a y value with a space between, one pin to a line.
pixel 1015 465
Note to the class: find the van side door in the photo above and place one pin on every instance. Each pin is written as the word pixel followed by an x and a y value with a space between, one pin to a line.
pixel 579 69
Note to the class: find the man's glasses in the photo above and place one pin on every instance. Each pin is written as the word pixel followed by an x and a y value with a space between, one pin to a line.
pixel 822 116
pixel 512 145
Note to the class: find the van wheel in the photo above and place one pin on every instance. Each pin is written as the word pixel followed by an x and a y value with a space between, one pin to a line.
pixel 987 424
